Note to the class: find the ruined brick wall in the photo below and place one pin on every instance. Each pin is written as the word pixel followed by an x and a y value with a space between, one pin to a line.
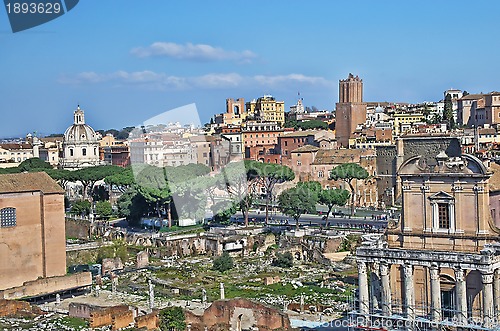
pixel 142 260
pixel 332 245
pixel 82 310
pixel 79 229
pixel 272 280
pixel 180 247
pixel 226 314
pixel 149 322
pixel 122 319
pixel 111 264
pixel 106 316
pixel 11 307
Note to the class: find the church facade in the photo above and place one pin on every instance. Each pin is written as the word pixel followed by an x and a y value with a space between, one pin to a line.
pixel 439 266
pixel 80 144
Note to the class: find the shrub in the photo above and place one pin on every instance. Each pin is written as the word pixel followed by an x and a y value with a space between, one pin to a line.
pixel 172 319
pixel 81 207
pixel 283 260
pixel 223 262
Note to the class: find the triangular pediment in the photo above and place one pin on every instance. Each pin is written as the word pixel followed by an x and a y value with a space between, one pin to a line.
pixel 441 195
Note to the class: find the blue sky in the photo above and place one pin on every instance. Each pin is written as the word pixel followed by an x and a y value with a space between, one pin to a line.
pixel 125 61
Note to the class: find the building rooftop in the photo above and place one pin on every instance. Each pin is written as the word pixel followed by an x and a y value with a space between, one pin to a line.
pixel 29 182
pixel 338 156
pixel 16 146
pixel 306 148
pixel 472 97
pixel 300 133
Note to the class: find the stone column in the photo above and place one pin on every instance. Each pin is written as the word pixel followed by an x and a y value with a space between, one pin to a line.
pixel 496 294
pixel 222 294
pixel 375 286
pixel 435 294
pixel 386 289
pixel 488 305
pixel 364 300
pixel 151 295
pixel 461 296
pixel 203 296
pixel 409 290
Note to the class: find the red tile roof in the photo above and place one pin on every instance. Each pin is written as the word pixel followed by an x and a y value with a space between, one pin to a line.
pixel 29 182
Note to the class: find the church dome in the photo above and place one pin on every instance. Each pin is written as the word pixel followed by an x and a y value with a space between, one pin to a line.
pixel 80 132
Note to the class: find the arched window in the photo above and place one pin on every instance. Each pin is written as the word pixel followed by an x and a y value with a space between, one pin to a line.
pixel 7 217
pixel 71 153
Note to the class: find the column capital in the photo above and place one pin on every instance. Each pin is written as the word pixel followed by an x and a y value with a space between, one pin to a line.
pixel 459 274
pixel 361 267
pixel 487 277
pixel 408 270
pixel 434 272
pixel 384 269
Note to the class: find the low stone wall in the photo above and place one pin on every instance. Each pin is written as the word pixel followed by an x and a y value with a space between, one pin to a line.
pixel 106 316
pixel 47 286
pixel 149 322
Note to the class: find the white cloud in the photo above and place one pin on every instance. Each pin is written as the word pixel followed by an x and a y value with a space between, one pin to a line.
pixel 144 78
pixel 194 52
pixel 291 78
pixel 218 80
pixel 155 80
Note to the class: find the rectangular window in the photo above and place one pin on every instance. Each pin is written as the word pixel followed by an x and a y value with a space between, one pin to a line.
pixel 443 216
pixel 7 217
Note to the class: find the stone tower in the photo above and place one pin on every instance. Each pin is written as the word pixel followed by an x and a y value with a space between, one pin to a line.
pixel 350 110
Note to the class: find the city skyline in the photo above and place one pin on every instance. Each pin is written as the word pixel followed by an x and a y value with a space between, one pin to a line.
pixel 124 62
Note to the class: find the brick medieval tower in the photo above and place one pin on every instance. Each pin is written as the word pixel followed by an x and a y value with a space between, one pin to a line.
pixel 350 110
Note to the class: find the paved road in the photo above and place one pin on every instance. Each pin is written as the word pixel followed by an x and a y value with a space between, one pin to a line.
pixel 313 220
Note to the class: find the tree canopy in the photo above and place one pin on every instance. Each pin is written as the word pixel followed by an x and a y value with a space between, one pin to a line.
pixel 271 174
pixel 298 200
pixel 348 172
pixel 240 180
pixel 33 163
pixel 448 112
pixel 333 197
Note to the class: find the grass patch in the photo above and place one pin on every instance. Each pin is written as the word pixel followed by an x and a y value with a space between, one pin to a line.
pixel 74 322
